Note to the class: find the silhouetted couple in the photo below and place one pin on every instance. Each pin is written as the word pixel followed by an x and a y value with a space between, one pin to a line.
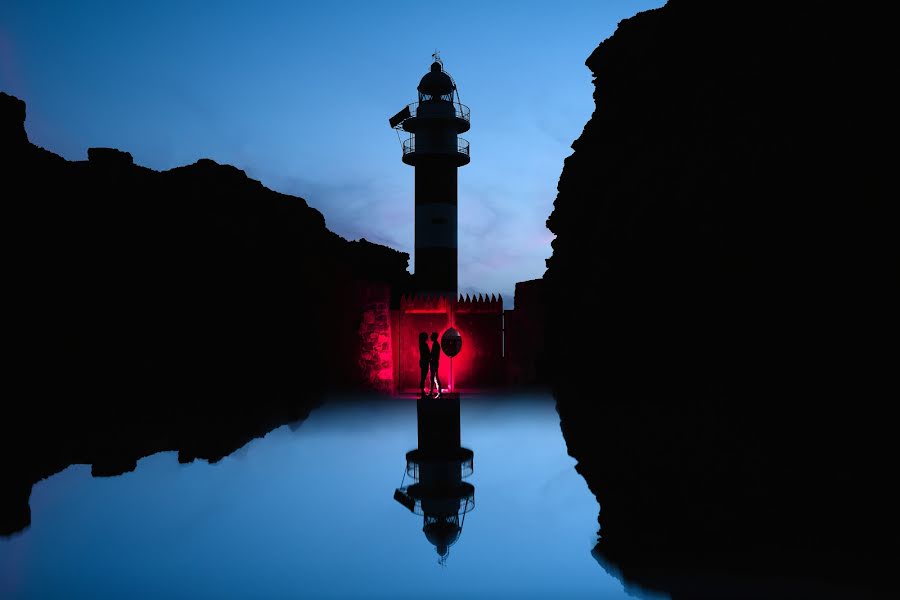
pixel 430 358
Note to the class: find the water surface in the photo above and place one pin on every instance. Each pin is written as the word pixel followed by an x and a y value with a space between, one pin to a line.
pixel 308 511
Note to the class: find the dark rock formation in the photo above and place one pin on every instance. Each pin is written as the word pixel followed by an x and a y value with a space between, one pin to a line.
pixel 12 125
pixel 185 309
pixel 375 355
pixel 728 201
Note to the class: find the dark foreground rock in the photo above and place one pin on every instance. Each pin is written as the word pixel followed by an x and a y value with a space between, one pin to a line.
pixel 727 389
pixel 188 310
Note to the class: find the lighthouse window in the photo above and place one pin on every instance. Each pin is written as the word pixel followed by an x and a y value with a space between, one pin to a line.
pixel 438 220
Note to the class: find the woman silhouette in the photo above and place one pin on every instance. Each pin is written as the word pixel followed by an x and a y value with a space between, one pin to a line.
pixel 424 359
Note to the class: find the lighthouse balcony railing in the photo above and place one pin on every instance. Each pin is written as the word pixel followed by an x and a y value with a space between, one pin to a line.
pixel 460 110
pixel 466 468
pixel 409 145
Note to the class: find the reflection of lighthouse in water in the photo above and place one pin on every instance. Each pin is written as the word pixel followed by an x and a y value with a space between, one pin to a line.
pixel 437 468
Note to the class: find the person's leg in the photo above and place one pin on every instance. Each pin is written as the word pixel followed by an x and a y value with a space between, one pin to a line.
pixel 432 376
pixel 424 371
pixel 437 379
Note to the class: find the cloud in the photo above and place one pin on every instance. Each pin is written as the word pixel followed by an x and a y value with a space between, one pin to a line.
pixel 357 208
pixel 502 237
pixel 502 234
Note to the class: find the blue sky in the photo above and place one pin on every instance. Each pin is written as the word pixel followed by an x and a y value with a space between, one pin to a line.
pixel 298 95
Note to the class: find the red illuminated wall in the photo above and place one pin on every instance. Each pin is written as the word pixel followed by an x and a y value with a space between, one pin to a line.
pixel 375 356
pixel 479 321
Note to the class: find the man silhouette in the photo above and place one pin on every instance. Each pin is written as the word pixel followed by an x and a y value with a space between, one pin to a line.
pixel 424 360
pixel 435 363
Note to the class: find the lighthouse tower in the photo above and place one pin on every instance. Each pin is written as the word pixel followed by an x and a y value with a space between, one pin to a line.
pixel 434 148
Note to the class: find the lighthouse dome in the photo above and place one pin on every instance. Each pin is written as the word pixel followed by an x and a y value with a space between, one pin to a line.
pixel 442 534
pixel 436 83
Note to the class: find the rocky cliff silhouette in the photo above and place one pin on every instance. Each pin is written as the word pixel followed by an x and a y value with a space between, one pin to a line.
pixel 728 201
pixel 188 309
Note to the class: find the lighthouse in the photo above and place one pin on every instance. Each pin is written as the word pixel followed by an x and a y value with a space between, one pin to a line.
pixel 437 469
pixel 434 149
pixel 429 132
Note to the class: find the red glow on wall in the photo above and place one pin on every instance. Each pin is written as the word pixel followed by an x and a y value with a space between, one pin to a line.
pixel 479 322
pixel 375 339
pixel 389 340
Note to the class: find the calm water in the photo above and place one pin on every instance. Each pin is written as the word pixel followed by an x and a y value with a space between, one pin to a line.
pixel 308 512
